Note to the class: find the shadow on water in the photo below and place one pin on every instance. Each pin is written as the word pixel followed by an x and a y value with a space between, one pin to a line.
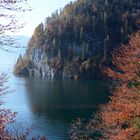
pixel 65 99
pixel 51 105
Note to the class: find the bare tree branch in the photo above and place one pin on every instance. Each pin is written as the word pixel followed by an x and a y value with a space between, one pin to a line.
pixel 9 11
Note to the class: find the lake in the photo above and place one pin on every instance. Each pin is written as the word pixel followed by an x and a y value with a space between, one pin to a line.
pixel 49 106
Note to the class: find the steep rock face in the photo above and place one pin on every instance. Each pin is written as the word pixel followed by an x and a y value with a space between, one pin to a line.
pixel 38 63
pixel 78 40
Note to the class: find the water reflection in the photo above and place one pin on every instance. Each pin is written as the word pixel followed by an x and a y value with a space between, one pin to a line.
pixel 59 98
pixel 50 105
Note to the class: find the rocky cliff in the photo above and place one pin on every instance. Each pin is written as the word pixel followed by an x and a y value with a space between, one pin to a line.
pixel 79 39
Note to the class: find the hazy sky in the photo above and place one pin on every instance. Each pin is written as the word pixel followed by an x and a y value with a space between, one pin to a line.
pixel 40 10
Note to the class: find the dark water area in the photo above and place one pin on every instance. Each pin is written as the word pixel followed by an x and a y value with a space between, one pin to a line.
pixel 49 106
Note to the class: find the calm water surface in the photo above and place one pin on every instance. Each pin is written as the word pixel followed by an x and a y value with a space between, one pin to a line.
pixel 49 106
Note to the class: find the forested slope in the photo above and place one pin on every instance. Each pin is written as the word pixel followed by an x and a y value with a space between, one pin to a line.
pixel 77 40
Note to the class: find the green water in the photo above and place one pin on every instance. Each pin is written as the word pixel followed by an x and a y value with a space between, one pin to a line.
pixel 49 106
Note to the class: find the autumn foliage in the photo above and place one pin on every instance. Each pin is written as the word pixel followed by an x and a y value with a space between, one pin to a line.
pixel 7 117
pixel 126 61
pixel 120 115
pixel 21 63
pixel 120 118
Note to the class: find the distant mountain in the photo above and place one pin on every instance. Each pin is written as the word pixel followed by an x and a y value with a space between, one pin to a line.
pixel 10 53
pixel 79 39
pixel 21 39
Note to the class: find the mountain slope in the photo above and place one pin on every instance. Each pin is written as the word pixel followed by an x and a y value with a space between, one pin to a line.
pixel 77 40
